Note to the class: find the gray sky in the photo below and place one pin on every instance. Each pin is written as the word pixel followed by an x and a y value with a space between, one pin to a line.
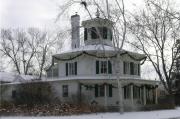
pixel 39 13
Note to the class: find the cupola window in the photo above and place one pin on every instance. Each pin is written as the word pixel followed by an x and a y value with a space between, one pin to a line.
pixel 85 34
pixel 94 33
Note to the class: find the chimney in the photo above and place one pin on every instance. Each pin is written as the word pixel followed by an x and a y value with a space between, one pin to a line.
pixel 75 34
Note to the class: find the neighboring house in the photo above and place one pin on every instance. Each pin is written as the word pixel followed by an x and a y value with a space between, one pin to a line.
pixel 89 72
pixel 9 83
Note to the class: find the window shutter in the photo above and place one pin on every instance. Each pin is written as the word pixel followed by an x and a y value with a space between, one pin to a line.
pixel 109 67
pixel 96 90
pixel 125 92
pixel 139 69
pixel 124 67
pixel 75 68
pixel 110 91
pixel 66 69
pixel 85 34
pixel 97 67
pixel 132 68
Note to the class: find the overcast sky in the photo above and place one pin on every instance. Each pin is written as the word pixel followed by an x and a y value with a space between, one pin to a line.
pixel 39 13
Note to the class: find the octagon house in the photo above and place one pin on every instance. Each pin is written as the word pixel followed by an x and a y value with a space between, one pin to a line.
pixel 98 73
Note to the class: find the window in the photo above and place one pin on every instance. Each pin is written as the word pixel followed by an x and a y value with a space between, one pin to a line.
pixel 126 66
pixel 127 92
pixel 52 71
pixel 103 67
pixel 136 92
pixel 131 68
pixel 94 34
pixel 13 94
pixel 102 30
pixel 101 90
pixel 65 90
pixel 71 68
pixel 135 69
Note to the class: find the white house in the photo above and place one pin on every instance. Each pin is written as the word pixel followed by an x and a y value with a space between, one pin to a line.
pixel 91 73
pixel 97 73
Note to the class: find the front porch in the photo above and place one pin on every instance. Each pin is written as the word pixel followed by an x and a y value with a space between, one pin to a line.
pixel 105 93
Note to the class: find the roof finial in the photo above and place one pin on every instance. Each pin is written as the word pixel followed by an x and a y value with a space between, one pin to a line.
pixel 97 13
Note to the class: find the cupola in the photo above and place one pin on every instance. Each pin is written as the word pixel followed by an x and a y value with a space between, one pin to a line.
pixel 98 31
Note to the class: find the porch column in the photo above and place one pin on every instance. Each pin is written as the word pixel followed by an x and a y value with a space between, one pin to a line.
pixel 156 97
pixel 52 73
pixel 144 95
pixel 120 97
pixel 140 95
pixel 105 96
pixel 132 100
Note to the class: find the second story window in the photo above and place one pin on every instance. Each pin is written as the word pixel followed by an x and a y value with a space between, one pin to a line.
pixel 131 68
pixel 103 67
pixel 71 68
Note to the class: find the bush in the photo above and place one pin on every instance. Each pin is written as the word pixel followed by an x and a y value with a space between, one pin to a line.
pixel 33 93
pixel 5 104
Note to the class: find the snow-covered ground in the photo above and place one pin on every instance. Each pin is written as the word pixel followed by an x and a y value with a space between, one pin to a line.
pixel 162 114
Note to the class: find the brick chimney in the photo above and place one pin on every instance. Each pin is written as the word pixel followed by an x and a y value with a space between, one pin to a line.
pixel 75 34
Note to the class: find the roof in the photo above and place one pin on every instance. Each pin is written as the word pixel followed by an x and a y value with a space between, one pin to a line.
pixel 96 49
pixel 6 77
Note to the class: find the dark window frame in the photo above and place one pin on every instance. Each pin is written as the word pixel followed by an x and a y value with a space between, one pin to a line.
pixel 65 90
pixel 71 68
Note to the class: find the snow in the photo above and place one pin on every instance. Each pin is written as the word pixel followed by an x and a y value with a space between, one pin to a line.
pixel 94 49
pixel 7 77
pixel 12 77
pixel 161 114
pixel 91 48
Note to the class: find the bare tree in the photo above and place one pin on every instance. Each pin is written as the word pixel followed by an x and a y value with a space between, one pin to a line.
pixel 28 50
pixel 16 46
pixel 45 43
pixel 156 32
